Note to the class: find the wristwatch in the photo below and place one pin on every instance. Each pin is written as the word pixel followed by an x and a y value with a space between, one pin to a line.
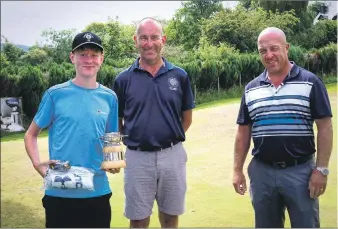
pixel 323 170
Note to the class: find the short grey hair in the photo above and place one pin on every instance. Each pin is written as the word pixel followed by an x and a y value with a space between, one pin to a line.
pixel 147 19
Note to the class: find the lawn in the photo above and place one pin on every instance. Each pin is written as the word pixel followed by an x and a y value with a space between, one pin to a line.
pixel 211 200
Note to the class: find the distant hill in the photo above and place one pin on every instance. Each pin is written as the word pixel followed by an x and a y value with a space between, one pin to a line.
pixel 23 47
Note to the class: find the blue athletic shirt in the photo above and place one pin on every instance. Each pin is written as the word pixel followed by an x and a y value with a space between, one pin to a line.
pixel 77 117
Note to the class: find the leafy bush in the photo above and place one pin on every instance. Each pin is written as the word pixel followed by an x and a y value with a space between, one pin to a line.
pixel 32 85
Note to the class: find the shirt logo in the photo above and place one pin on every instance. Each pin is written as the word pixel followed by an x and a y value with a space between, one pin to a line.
pixel 173 83
pixel 101 112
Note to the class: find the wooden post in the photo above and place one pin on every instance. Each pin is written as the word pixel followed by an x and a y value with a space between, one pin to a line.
pixel 195 92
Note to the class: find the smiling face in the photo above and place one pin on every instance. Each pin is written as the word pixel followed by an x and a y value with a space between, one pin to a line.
pixel 87 61
pixel 273 51
pixel 150 41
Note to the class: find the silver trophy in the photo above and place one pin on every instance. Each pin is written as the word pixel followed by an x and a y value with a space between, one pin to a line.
pixel 113 151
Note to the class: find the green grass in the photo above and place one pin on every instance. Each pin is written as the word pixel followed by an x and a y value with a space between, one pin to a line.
pixel 214 95
pixel 210 201
pixel 14 136
pixel 217 103
pixel 330 78
pixel 332 87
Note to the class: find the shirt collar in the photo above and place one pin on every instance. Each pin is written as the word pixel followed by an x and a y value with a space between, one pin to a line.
pixel 165 67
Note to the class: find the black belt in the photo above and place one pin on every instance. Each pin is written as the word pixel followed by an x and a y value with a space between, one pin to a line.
pixel 153 148
pixel 286 163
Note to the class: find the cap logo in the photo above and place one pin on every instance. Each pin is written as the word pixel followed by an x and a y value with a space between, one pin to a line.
pixel 88 36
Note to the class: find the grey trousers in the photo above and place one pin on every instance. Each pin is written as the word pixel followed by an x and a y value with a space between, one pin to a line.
pixel 273 190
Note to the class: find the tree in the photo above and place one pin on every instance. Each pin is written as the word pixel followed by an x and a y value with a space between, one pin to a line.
pixel 11 52
pixel 58 43
pixel 315 7
pixel 185 27
pixel 8 84
pixel 32 84
pixel 247 4
pixel 240 27
pixel 3 61
pixel 276 6
pixel 99 28
pixel 35 57
pixel 299 8
pixel 57 74
pixel 319 35
pixel 117 39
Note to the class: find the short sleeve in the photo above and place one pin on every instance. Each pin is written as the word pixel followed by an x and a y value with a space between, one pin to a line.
pixel 119 90
pixel 45 115
pixel 188 98
pixel 243 117
pixel 319 101
pixel 112 122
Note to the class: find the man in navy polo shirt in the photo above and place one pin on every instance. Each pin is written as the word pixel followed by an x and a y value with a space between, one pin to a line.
pixel 278 109
pixel 155 111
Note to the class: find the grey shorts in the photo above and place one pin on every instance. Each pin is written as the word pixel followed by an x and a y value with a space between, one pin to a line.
pixel 159 175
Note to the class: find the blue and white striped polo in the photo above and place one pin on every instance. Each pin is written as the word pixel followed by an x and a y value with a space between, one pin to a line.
pixel 282 118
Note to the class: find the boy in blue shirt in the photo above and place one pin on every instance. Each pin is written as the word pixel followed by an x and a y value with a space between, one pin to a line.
pixel 77 113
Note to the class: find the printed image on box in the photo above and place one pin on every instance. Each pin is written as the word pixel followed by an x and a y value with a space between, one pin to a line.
pixel 11 114
pixel 74 178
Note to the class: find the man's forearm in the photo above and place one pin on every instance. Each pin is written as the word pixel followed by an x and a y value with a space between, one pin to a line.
pixel 324 146
pixel 186 125
pixel 186 120
pixel 241 152
pixel 242 145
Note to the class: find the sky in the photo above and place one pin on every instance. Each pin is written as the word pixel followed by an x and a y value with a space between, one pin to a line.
pixel 22 22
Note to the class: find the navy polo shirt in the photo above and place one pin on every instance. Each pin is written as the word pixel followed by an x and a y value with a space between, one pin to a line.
pixel 152 107
pixel 282 118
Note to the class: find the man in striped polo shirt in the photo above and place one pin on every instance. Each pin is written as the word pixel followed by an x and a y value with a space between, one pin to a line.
pixel 278 109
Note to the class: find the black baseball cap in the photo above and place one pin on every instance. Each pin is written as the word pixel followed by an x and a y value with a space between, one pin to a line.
pixel 86 38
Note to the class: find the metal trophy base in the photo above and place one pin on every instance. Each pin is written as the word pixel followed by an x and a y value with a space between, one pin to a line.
pixel 113 151
pixel 113 164
pixel 113 157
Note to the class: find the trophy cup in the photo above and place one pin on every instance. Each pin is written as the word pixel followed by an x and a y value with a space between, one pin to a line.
pixel 112 150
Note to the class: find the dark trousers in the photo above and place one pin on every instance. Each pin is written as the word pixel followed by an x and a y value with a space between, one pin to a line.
pixel 77 212
pixel 273 190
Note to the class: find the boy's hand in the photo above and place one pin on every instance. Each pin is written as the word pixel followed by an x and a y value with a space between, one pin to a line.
pixel 41 167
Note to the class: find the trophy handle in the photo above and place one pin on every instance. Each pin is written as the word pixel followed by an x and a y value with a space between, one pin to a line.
pixel 116 135
pixel 119 135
